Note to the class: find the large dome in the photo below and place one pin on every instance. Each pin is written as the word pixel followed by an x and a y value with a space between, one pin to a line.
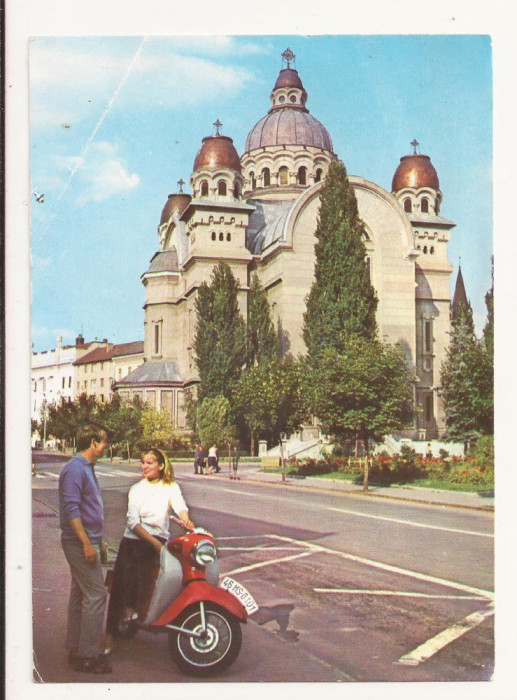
pixel 175 202
pixel 415 171
pixel 288 122
pixel 217 152
pixel 288 126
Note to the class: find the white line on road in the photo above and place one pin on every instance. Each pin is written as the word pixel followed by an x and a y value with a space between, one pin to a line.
pixel 239 492
pixel 260 547
pixel 393 569
pixel 411 523
pixel 260 564
pixel 54 476
pixel 441 640
pixel 405 594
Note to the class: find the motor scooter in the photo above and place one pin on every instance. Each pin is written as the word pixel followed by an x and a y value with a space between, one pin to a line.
pixel 184 599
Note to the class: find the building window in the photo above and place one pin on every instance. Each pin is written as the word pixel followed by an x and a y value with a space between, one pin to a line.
pixel 85 384
pixel 78 386
pixel 35 387
pixel 428 336
pixel 425 249
pixel 302 175
pixel 102 381
pixel 281 99
pixel 319 173
pixel 156 339
pixel 94 384
pixel 214 235
pixel 424 207
pixel 204 188
pixel 221 188
pixel 253 181
pixel 221 236
pixel 102 398
pixel 431 250
pixel 283 175
pixel 428 407
pixel 408 207
pixel 69 382
pixel 236 191
pixel 63 383
pixel 437 206
pixel 102 366
pixel 228 236
pixel 266 177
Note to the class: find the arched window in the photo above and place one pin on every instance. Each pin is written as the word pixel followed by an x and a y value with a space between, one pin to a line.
pixel 221 236
pixel 437 205
pixel 424 207
pixel 236 190
pixel 221 187
pixel 214 236
pixel 302 175
pixel 253 182
pixel 319 173
pixel 266 177
pixel 156 339
pixel 425 250
pixel 431 250
pixel 228 236
pixel 204 188
pixel 283 175
pixel 408 207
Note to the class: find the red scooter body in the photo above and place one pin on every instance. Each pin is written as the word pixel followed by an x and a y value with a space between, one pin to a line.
pixel 196 589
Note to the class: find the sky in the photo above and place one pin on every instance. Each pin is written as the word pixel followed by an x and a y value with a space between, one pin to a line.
pixel 116 122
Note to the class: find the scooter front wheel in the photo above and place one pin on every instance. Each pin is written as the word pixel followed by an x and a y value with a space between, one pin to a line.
pixel 211 650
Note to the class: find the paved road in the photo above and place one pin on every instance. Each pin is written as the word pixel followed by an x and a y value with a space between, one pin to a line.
pixel 349 589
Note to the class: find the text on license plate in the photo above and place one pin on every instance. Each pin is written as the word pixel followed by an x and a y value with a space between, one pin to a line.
pixel 238 590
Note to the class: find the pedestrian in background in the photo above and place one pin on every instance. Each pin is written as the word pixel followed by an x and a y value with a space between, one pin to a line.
pixel 81 513
pixel 213 459
pixel 198 458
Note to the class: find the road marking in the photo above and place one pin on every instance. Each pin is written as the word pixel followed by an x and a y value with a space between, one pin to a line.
pixel 441 640
pixel 54 476
pixel 238 491
pixel 260 564
pixel 393 569
pixel 411 523
pixel 259 547
pixel 406 594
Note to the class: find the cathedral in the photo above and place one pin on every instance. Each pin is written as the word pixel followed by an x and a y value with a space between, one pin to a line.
pixel 257 212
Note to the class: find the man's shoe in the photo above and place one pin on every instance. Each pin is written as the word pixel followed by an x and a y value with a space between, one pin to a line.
pixel 93 665
pixel 73 658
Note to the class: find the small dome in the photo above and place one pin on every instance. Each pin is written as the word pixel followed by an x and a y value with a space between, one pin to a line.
pixel 288 78
pixel 415 171
pixel 217 152
pixel 177 202
pixel 288 127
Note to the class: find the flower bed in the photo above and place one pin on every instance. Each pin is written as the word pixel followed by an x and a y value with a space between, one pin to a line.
pixel 404 468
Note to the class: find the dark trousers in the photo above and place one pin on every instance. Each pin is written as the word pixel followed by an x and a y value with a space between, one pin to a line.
pixel 133 579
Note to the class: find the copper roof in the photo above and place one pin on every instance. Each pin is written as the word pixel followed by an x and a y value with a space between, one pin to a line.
pixel 217 152
pixel 415 171
pixel 175 201
pixel 287 78
pixel 288 126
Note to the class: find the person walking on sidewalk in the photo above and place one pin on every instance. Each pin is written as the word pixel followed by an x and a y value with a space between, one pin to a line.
pixel 81 513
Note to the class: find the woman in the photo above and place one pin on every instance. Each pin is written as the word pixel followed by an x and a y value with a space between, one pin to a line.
pixel 213 459
pixel 150 503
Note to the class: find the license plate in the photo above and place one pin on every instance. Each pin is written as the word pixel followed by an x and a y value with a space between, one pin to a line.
pixel 238 590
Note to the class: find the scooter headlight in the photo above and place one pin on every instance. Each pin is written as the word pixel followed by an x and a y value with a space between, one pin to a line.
pixel 204 553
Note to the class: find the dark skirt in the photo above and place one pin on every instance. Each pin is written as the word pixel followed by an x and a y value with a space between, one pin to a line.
pixel 134 576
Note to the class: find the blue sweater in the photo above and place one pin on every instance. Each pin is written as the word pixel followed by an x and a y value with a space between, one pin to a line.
pixel 80 497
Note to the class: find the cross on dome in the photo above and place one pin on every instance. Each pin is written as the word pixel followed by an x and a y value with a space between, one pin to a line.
pixel 217 125
pixel 288 56
pixel 181 183
pixel 415 144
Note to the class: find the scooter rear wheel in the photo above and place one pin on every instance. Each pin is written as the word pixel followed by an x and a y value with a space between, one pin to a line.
pixel 216 650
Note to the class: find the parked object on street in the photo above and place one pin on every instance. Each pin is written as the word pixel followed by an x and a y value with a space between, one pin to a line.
pixel 202 618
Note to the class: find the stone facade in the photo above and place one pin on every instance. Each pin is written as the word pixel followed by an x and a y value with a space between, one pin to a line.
pixel 258 213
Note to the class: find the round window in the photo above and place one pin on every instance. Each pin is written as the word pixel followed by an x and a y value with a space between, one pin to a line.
pixel 281 99
pixel 293 98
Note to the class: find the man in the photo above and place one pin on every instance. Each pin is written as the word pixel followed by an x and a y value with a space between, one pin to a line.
pixel 82 520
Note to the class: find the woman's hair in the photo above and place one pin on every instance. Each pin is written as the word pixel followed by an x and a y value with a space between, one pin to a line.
pixel 166 472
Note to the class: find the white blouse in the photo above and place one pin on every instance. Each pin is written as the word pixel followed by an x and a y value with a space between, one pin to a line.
pixel 150 506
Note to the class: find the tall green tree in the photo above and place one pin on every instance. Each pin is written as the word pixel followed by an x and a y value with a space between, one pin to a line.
pixel 261 345
pixel 214 422
pixel 466 380
pixel 363 391
pixel 342 300
pixel 270 398
pixel 220 341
